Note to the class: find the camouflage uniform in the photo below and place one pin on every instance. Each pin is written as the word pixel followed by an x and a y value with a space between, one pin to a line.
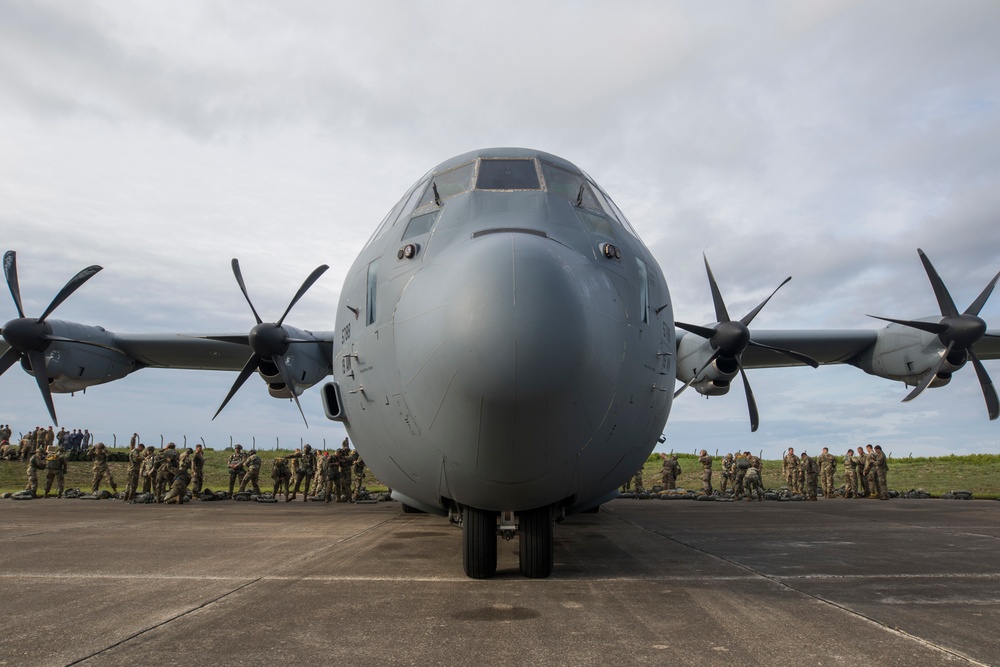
pixel 281 475
pixel 810 473
pixel 881 465
pixel 236 469
pixel 359 476
pixel 169 465
pixel 197 470
pixel 706 472
pixel 637 481
pixel 101 468
pixel 827 469
pixel 135 460
pixel 728 473
pixel 740 466
pixel 253 464
pixel 35 463
pixel 346 462
pixel 850 479
pixel 147 470
pixel 860 463
pixel 671 471
pixel 55 470
pixel 305 465
pixel 178 488
pixel 870 476
pixel 752 482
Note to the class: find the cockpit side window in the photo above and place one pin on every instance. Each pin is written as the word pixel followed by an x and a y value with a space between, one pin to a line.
pixel 419 225
pixel 508 174
pixel 570 185
pixel 448 184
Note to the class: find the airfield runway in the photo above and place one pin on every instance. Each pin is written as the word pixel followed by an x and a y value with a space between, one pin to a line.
pixel 904 582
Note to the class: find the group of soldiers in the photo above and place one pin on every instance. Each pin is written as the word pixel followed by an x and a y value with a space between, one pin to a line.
pixel 329 475
pixel 742 474
pixel 168 473
pixel 41 439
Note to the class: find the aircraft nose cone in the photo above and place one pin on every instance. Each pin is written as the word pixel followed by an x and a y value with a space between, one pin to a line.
pixel 513 350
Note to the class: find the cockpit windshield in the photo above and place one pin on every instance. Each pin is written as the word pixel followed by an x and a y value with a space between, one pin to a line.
pixel 516 174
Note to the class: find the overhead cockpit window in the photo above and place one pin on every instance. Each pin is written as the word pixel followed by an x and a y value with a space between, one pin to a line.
pixel 517 174
pixel 570 185
pixel 448 184
pixel 420 225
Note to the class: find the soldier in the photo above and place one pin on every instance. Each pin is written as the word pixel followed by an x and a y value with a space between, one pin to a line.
pixel 178 487
pixel 133 442
pixel 61 437
pixel 881 470
pixel 706 472
pixel 281 475
pixel 236 467
pixel 332 477
pixel 346 460
pixel 170 463
pixel 809 473
pixel 253 464
pixel 359 475
pixel 197 470
pixel 671 471
pixel 305 465
pixel 35 463
pixel 870 466
pixel 5 432
pixel 322 488
pixel 147 470
pixel 135 460
pixel 637 481
pixel 827 469
pixel 741 465
pixel 752 483
pixel 850 479
pixel 728 473
pixel 101 467
pixel 860 461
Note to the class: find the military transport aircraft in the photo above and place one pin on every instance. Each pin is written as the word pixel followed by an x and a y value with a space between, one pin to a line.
pixel 505 352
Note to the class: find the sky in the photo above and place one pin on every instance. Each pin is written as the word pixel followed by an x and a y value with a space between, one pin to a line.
pixel 824 140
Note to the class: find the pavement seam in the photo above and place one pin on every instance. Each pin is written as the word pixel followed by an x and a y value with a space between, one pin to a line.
pixel 778 582
pixel 162 623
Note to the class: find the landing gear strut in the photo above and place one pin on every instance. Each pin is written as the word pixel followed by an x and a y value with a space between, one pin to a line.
pixel 479 543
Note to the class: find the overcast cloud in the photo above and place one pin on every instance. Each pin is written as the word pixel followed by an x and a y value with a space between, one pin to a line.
pixel 824 140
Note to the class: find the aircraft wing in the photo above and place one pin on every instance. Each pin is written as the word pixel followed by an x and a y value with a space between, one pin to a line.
pixel 834 346
pixel 188 351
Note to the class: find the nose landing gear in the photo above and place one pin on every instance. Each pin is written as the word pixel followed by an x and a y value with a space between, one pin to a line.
pixel 479 541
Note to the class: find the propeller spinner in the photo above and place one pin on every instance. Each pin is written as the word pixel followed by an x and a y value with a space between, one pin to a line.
pixel 29 337
pixel 958 331
pixel 729 338
pixel 268 341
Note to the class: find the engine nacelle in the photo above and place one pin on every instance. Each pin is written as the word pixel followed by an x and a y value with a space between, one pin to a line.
pixel 74 366
pixel 692 354
pixel 906 354
pixel 307 364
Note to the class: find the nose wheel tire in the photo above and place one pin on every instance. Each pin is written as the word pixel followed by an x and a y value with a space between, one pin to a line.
pixel 479 543
pixel 537 554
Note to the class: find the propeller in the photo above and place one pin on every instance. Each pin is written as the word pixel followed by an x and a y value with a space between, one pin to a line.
pixel 269 342
pixel 958 331
pixel 729 338
pixel 29 337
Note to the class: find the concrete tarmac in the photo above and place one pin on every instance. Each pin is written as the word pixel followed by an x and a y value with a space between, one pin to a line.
pixel 837 582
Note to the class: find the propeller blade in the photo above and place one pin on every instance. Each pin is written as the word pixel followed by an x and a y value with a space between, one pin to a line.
pixel 751 402
pixel 252 363
pixel 8 359
pixel 930 376
pixel 690 382
pixel 74 284
pixel 797 356
pixel 313 277
pixel 989 391
pixel 944 299
pixel 10 273
pixel 37 360
pixel 980 301
pixel 721 314
pixel 748 318
pixel 929 327
pixel 704 332
pixel 243 288
pixel 286 377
